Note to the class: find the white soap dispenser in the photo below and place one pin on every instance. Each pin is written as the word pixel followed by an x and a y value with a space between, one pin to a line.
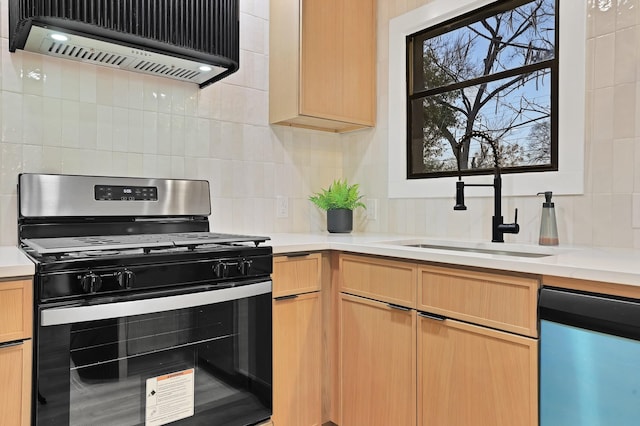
pixel 548 226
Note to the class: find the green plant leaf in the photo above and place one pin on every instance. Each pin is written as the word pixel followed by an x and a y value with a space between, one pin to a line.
pixel 339 195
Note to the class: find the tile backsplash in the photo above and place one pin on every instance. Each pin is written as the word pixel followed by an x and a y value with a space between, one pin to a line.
pixel 58 116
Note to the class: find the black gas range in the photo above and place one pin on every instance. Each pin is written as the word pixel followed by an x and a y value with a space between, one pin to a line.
pixel 131 287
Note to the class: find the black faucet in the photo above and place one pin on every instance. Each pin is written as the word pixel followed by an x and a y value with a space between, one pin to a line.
pixel 498 228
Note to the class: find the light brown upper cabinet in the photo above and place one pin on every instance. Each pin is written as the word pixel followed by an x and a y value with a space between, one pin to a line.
pixel 322 64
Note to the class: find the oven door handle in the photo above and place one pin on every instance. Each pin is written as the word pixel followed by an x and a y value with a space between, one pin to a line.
pixel 75 314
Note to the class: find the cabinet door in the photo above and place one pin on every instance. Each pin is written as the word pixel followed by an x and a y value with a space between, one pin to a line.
pixel 15 381
pixel 475 376
pixel 296 274
pixel 15 309
pixel 297 379
pixel 377 363
pixel 338 60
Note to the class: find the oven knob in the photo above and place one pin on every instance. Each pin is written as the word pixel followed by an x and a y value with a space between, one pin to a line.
pixel 244 266
pixel 220 270
pixel 90 282
pixel 125 278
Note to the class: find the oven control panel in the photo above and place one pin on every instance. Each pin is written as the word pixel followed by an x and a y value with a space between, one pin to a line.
pixel 125 193
pixel 153 272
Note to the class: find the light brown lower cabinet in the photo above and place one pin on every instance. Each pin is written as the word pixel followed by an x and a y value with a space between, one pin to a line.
pixel 475 376
pixel 297 362
pixel 377 363
pixel 15 384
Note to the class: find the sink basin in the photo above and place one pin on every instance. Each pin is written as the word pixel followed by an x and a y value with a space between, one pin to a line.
pixel 480 250
pixel 518 251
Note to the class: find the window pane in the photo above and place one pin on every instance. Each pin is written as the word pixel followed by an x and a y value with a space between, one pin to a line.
pixel 513 111
pixel 502 42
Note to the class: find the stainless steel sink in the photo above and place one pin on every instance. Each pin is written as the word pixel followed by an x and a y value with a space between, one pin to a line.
pixel 468 249
pixel 499 249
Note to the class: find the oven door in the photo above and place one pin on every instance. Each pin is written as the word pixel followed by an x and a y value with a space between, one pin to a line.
pixel 200 358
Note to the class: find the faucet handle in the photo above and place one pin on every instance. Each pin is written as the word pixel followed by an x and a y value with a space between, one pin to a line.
pixel 514 228
pixel 509 228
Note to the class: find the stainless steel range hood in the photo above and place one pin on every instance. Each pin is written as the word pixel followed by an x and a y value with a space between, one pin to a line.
pixel 189 40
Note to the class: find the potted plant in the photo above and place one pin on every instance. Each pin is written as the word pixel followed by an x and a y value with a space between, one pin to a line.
pixel 339 200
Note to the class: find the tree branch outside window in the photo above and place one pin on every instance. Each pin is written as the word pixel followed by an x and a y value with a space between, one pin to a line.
pixel 492 71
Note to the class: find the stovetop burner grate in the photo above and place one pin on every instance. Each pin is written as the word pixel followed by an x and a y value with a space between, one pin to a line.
pixel 98 243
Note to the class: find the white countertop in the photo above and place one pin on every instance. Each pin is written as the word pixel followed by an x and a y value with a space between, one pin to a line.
pixel 14 263
pixel 614 265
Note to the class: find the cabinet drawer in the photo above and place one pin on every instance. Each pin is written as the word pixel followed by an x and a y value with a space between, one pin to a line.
pixel 296 274
pixel 380 279
pixel 506 302
pixel 16 306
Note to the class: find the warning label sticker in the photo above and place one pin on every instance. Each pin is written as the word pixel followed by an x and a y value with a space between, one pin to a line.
pixel 170 397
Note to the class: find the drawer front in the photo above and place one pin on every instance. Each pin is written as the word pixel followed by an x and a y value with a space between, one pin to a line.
pixel 296 274
pixel 16 305
pixel 499 301
pixel 379 279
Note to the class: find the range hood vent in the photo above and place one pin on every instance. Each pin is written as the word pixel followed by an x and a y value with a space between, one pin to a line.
pixel 189 40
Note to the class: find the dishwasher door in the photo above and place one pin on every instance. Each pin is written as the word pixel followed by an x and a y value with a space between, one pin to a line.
pixel 589 359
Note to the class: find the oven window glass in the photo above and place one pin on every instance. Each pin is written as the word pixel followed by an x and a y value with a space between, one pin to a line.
pixel 203 365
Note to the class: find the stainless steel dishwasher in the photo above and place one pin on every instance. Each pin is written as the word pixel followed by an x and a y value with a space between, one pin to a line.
pixel 589 359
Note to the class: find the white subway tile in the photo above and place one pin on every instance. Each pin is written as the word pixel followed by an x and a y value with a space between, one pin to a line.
pixel 136 131
pixel 52 77
pixel 104 86
pixel 624 113
pixel 51 159
pixel 70 123
pixel 70 78
pixel 32 123
pixel 627 13
pixel 605 60
pixel 136 90
pixel 150 132
pixel 11 68
pixel 12 107
pixel 51 121
pixel 88 81
pixel 626 51
pixel 32 73
pixel 10 166
pixel 8 216
pixel 177 135
pixel 104 123
pixel 164 134
pixel 120 93
pixel 120 129
pixel 88 129
pixel 623 165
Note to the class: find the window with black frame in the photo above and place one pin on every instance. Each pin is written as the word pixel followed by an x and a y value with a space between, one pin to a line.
pixel 493 72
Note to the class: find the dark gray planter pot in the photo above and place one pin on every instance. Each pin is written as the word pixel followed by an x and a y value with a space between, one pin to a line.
pixel 339 220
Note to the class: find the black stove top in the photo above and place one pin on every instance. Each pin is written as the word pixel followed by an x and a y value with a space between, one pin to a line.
pixel 96 245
